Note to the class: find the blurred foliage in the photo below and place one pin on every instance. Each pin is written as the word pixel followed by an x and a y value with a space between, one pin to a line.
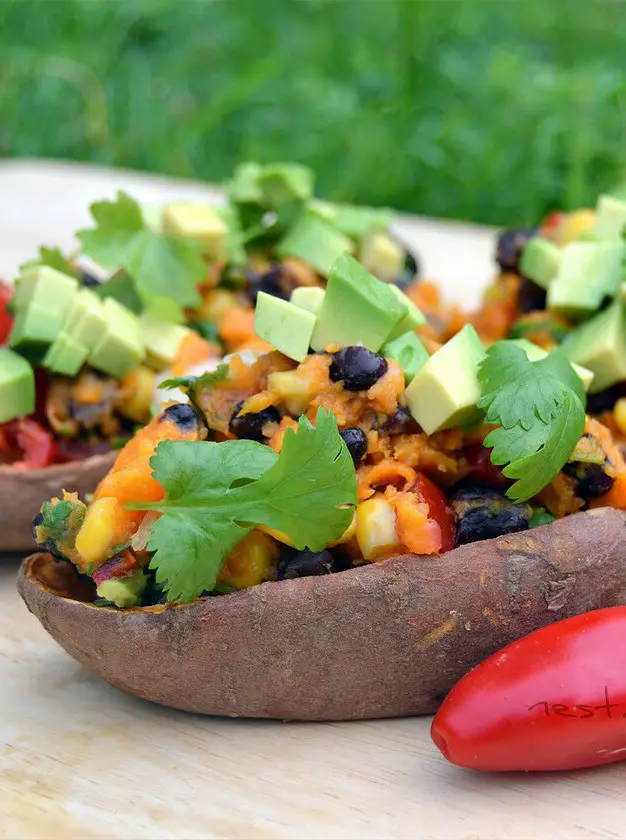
pixel 492 110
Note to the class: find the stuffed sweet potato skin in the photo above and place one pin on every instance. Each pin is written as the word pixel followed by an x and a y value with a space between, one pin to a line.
pixel 22 491
pixel 384 640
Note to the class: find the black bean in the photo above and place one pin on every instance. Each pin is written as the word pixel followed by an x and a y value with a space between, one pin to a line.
pixel 357 367
pixel 531 297
pixel 88 279
pixel 250 426
pixel 356 441
pixel 398 422
pixel 483 513
pixel 604 400
pixel 511 243
pixel 592 480
pixel 271 282
pixel 296 564
pixel 182 414
pixel 409 273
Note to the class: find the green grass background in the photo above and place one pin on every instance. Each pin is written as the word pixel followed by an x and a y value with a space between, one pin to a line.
pixel 491 110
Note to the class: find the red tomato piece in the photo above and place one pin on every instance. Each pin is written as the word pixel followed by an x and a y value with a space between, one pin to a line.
pixel 438 509
pixel 479 459
pixel 554 700
pixel 6 319
pixel 25 444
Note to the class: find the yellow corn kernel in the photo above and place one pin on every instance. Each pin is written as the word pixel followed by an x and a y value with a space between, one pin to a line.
pixel 619 414
pixel 278 535
pixel 97 533
pixel 293 390
pixel 575 223
pixel 348 533
pixel 376 528
pixel 215 304
pixel 137 390
pixel 250 562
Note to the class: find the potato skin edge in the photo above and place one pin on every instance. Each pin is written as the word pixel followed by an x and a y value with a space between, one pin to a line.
pixel 384 640
pixel 23 491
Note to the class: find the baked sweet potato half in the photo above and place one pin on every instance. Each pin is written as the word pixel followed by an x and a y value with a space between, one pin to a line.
pixel 384 640
pixel 21 492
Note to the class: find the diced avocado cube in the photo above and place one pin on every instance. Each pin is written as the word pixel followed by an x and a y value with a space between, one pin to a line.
pixel 244 187
pixel 66 355
pixel 534 353
pixel 381 255
pixel 120 349
pixel 198 222
pixel 409 352
pixel 315 242
pixel 86 322
pixel 124 592
pixel 357 308
pixel 414 316
pixel 17 386
pixel 285 326
pixel 162 340
pixel 445 392
pixel 310 298
pixel 540 261
pixel 33 332
pixel 45 288
pixel 589 271
pixel 610 217
pixel 353 220
pixel 600 346
pixel 281 183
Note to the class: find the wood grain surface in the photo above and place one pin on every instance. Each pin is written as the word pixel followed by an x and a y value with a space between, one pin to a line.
pixel 79 759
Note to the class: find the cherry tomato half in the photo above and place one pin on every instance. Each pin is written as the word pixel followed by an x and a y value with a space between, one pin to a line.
pixel 438 509
pixel 26 445
pixel 6 319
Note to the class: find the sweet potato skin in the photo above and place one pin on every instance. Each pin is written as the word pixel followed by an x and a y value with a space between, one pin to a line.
pixel 22 491
pixel 384 640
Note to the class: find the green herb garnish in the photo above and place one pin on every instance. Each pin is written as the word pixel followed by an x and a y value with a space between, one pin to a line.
pixel 164 269
pixel 54 258
pixel 216 493
pixel 540 416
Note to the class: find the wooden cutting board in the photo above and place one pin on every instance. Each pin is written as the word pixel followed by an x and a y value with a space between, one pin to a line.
pixel 78 759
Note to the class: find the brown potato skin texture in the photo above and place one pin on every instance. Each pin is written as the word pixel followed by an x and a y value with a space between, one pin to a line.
pixel 22 491
pixel 384 640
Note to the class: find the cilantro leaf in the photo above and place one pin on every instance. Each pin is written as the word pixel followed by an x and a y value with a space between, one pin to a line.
pixel 216 493
pixel 166 271
pixel 54 258
pixel 539 415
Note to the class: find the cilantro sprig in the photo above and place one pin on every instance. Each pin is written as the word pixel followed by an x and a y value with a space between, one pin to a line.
pixel 539 411
pixel 216 493
pixel 191 384
pixel 164 269
pixel 54 258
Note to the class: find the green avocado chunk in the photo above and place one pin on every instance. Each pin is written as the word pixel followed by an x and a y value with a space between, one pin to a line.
pixel 414 316
pixel 42 300
pixel 540 261
pixel 588 272
pixel 199 222
pixel 66 355
pixel 120 349
pixel 314 241
pixel 17 386
pixel 357 308
pixel 124 592
pixel 600 346
pixel 86 321
pixel 610 217
pixel 310 298
pixel 162 340
pixel 409 352
pixel 381 255
pixel 445 392
pixel 284 325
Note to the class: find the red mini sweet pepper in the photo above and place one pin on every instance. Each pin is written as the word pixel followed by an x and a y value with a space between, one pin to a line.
pixel 554 700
